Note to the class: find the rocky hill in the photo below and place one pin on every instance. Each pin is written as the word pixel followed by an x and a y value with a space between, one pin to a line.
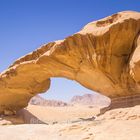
pixel 91 99
pixel 38 100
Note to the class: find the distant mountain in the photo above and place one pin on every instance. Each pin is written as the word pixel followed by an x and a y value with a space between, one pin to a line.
pixel 91 99
pixel 86 99
pixel 38 100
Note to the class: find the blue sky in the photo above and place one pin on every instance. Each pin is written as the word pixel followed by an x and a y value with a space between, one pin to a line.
pixel 26 24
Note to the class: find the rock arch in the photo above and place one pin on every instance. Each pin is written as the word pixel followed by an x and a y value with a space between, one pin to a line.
pixel 102 58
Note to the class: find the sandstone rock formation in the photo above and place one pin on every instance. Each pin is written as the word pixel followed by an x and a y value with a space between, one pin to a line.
pixel 38 100
pixel 103 56
pixel 91 100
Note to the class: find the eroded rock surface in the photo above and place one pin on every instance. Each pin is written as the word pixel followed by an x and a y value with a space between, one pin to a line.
pixel 103 56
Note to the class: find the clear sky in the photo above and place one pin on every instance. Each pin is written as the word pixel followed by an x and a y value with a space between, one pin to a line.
pixel 26 24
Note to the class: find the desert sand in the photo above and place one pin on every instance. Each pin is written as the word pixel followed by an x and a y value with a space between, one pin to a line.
pixel 76 123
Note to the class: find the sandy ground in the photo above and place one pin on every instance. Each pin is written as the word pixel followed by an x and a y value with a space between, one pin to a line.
pixel 117 124
pixel 62 114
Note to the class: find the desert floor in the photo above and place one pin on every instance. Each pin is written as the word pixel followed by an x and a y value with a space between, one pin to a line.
pixel 75 123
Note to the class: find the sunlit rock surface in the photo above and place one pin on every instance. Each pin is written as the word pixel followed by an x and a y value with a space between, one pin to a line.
pixel 103 56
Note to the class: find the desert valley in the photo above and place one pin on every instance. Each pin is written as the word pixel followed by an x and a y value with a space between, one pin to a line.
pixel 104 57
pixel 71 121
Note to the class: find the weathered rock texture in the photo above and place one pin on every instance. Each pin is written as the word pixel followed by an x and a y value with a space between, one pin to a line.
pixel 103 56
pixel 122 102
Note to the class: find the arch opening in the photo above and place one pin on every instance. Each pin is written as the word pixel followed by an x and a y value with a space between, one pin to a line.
pixel 64 89
pixel 69 100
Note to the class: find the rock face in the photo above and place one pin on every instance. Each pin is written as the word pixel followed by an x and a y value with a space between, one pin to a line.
pixel 38 100
pixel 91 99
pixel 103 56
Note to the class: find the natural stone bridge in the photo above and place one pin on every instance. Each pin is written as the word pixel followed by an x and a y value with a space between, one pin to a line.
pixel 104 56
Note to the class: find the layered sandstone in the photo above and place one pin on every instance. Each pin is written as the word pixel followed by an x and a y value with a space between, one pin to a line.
pixel 103 56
